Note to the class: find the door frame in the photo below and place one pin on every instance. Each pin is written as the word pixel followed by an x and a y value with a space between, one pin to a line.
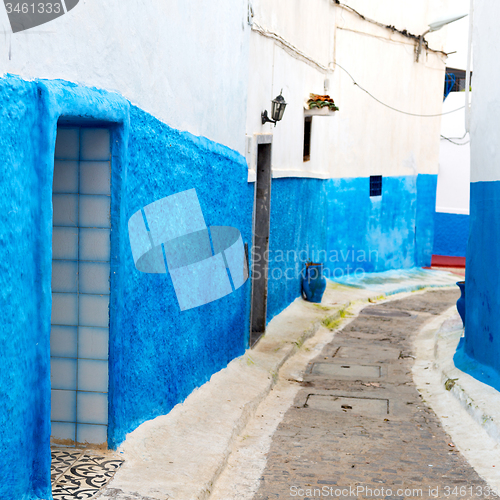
pixel 68 122
pixel 261 217
pixel 64 104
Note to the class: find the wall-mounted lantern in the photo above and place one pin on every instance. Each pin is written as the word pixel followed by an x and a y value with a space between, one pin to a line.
pixel 277 110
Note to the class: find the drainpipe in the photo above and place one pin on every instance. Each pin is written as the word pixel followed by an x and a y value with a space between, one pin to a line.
pixel 467 74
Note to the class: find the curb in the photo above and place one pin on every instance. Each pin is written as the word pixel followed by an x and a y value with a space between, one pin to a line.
pixel 477 398
pixel 469 411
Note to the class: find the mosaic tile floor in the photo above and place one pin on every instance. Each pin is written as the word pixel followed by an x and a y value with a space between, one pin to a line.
pixel 80 474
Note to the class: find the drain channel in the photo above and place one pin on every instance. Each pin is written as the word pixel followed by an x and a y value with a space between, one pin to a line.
pixel 346 371
pixel 384 313
pixel 366 407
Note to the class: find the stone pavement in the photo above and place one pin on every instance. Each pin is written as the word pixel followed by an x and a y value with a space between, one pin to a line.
pixel 359 428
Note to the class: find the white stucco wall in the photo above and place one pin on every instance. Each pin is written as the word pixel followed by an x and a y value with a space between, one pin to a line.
pixel 403 14
pixel 457 37
pixel 364 138
pixel 485 122
pixel 453 190
pixel 183 61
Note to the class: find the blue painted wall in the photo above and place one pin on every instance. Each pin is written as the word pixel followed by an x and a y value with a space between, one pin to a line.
pixel 24 339
pixel 483 373
pixel 451 232
pixel 424 220
pixel 157 355
pixel 371 233
pixel 482 342
pixel 298 227
pixel 336 222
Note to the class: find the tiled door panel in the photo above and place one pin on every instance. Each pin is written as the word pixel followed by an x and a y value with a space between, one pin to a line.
pixel 80 286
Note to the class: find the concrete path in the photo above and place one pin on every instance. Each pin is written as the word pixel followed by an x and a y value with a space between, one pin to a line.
pixel 468 409
pixel 359 428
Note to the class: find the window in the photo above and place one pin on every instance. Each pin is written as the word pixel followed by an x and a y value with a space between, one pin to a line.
pixel 375 185
pixel 455 81
pixel 307 137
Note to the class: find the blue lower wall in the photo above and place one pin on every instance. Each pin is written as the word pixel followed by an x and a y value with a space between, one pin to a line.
pixel 157 354
pixel 371 233
pixel 424 220
pixel 336 222
pixel 482 342
pixel 451 232
pixel 483 373
pixel 24 304
pixel 298 226
pixel 160 354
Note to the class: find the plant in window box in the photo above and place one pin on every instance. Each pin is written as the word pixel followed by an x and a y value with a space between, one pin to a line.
pixel 321 101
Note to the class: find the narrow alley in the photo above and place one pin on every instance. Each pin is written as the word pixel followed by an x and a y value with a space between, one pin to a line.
pixel 249 250
pixel 359 428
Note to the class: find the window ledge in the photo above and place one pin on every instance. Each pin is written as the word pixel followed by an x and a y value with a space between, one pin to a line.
pixel 319 112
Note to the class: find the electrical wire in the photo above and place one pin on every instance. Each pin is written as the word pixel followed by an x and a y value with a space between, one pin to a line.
pixel 294 50
pixel 449 139
pixel 387 105
pixel 458 138
pixel 288 46
pixel 389 27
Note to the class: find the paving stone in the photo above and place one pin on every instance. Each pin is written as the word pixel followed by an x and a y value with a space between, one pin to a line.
pixel 406 449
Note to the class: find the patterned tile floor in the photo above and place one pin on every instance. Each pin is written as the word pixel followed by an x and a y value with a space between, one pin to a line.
pixel 80 474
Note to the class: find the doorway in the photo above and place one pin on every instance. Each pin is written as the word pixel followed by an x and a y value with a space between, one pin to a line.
pixel 79 336
pixel 262 223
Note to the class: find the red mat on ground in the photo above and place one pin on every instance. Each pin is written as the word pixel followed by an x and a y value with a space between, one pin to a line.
pixel 446 261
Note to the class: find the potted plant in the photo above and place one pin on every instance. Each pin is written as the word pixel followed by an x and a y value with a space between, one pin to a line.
pixel 321 101
pixel 461 301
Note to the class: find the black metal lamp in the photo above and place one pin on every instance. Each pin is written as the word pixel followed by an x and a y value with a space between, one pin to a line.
pixel 277 111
